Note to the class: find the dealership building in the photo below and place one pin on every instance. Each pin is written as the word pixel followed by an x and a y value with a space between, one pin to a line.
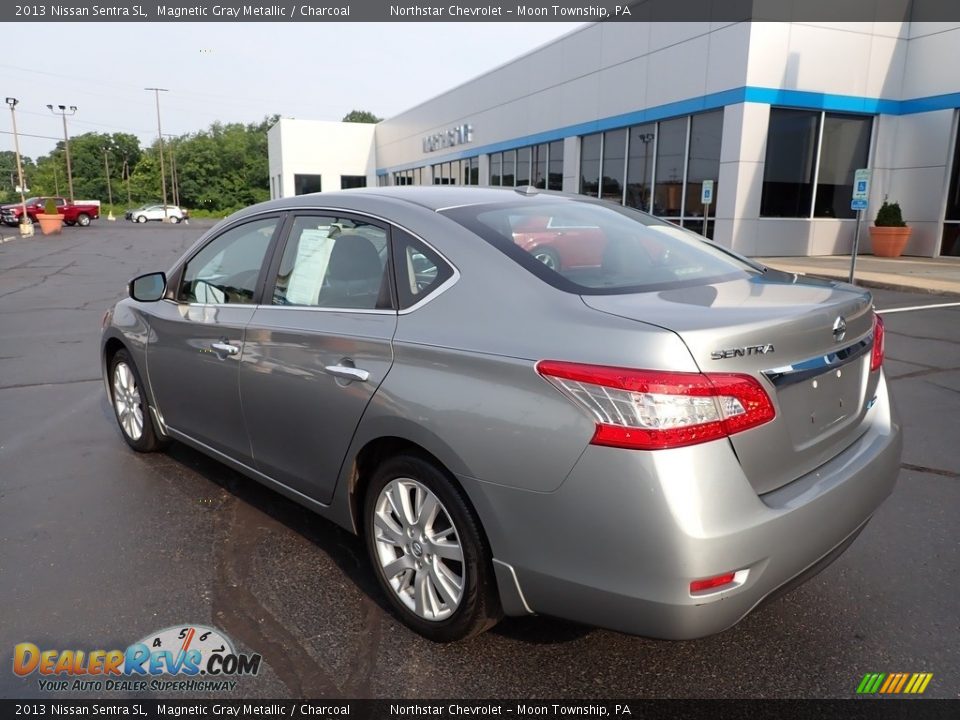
pixel 777 115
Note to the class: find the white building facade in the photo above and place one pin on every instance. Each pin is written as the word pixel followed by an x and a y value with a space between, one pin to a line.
pixel 777 115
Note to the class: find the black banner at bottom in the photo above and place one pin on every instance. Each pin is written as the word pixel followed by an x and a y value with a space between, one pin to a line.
pixel 868 709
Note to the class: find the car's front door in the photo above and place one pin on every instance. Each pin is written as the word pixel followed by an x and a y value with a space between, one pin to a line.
pixel 196 341
pixel 317 348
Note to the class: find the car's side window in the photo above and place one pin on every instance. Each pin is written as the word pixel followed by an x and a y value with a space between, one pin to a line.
pixel 226 270
pixel 420 270
pixel 334 262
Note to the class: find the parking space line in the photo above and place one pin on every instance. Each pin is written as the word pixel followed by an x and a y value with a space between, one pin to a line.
pixel 918 307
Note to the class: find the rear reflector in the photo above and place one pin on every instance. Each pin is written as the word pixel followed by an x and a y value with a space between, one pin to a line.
pixel 876 357
pixel 713 582
pixel 655 410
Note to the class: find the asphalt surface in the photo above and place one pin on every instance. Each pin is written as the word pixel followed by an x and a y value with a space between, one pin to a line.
pixel 100 546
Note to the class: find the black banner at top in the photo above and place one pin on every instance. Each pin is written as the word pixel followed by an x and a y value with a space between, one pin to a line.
pixel 334 709
pixel 480 10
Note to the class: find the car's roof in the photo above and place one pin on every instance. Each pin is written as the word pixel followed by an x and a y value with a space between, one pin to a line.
pixel 431 197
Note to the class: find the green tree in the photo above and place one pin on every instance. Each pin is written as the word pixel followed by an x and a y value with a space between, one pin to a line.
pixel 8 175
pixel 361 116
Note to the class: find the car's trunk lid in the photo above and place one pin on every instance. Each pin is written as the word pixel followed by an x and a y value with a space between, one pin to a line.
pixel 780 330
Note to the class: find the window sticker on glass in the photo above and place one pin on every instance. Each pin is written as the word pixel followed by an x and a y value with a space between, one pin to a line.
pixel 310 267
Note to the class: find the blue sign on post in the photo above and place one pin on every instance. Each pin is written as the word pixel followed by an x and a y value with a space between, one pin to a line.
pixel 858 204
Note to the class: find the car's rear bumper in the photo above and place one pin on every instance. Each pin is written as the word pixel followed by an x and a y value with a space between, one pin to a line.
pixel 618 544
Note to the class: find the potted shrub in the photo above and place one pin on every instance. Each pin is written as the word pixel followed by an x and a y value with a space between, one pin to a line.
pixel 889 233
pixel 51 221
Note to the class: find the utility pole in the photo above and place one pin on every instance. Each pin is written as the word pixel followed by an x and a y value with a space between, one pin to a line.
pixel 175 186
pixel 26 228
pixel 106 167
pixel 62 112
pixel 126 174
pixel 163 177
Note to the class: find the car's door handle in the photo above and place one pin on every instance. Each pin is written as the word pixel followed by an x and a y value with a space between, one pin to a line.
pixel 347 372
pixel 225 348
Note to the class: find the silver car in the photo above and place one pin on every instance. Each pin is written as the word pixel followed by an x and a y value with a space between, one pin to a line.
pixel 524 402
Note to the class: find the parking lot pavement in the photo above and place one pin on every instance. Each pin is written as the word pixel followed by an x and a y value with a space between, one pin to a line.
pixel 100 546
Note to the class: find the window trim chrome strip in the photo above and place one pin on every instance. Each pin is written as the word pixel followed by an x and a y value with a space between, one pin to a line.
pixel 812 367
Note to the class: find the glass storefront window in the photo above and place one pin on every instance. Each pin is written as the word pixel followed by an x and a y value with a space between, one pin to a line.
pixel 640 166
pixel 539 166
pixel 671 150
pixel 703 163
pixel 509 167
pixel 790 163
pixel 555 166
pixel 845 148
pixel 590 165
pixel 614 163
pixel 304 184
pixel 523 166
pixel 496 162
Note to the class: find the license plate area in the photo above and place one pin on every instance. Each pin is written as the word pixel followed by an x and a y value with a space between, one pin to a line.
pixel 817 408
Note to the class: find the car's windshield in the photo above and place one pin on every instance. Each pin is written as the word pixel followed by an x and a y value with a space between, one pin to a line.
pixel 589 248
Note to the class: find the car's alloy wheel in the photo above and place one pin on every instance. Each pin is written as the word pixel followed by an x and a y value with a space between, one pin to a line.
pixel 429 551
pixel 141 218
pixel 130 405
pixel 127 402
pixel 419 549
pixel 83 220
pixel 174 219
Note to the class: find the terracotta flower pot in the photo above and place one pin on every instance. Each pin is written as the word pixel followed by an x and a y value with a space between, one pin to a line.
pixel 889 241
pixel 50 224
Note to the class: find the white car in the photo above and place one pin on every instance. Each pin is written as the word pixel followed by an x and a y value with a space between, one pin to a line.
pixel 143 213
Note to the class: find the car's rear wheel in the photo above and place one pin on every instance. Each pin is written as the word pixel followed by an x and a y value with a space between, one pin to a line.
pixel 83 220
pixel 130 405
pixel 141 218
pixel 548 257
pixel 428 550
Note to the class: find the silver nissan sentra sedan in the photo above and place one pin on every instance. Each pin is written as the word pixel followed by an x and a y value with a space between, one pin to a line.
pixel 524 402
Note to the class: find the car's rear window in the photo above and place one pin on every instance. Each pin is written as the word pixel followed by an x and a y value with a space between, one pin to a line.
pixel 594 249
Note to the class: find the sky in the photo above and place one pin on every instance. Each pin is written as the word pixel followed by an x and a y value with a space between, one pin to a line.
pixel 238 72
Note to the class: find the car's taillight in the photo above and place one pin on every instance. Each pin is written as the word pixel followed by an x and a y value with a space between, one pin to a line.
pixel 876 357
pixel 654 410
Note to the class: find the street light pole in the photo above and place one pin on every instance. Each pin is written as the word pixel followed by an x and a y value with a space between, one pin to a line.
pixel 163 177
pixel 62 111
pixel 24 218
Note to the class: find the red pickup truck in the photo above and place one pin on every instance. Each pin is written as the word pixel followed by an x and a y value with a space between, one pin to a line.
pixel 73 213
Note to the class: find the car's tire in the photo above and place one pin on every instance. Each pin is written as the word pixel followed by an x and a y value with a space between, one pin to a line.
pixel 174 219
pixel 141 218
pixel 130 408
pixel 457 598
pixel 83 220
pixel 548 256
pixel 70 223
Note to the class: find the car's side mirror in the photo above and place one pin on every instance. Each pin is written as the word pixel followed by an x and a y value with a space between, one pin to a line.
pixel 149 287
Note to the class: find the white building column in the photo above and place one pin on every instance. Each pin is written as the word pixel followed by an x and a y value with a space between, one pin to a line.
pixel 742 153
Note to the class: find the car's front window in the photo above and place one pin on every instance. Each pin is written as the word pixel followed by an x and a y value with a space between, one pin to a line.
pixel 226 270
pixel 589 248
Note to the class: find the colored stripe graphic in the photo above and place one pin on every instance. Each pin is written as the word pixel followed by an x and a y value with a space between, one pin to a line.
pixel 894 683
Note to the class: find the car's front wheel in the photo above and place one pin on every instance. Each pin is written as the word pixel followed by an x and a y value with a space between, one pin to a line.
pixel 83 220
pixel 428 550
pixel 141 218
pixel 130 405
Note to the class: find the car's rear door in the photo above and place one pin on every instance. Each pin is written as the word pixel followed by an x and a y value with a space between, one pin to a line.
pixel 318 347
pixel 196 336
